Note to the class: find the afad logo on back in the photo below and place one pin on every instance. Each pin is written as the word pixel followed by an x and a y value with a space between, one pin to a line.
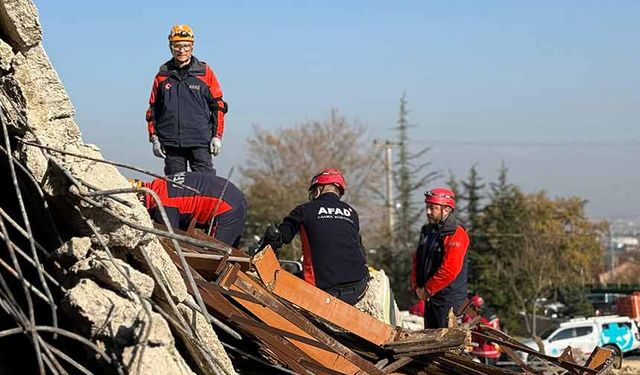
pixel 328 211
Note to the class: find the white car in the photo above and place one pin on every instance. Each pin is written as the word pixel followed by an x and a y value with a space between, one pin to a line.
pixel 618 333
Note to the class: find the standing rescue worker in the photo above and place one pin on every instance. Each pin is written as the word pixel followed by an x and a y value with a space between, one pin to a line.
pixel 439 275
pixel 333 255
pixel 228 211
pixel 185 118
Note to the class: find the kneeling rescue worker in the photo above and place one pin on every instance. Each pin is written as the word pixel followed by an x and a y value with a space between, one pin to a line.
pixel 329 229
pixel 184 207
pixel 439 275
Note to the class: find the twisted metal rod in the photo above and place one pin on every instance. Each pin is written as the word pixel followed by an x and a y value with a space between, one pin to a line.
pixel 170 234
pixel 30 286
pixel 183 262
pixel 190 336
pixel 167 296
pixel 23 211
pixel 32 321
pixel 215 321
pixel 103 161
pixel 145 307
pixel 36 185
pixel 186 268
pixel 26 257
pixel 18 228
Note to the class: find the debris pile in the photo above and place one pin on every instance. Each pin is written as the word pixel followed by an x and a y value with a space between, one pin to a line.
pixel 302 328
pixel 89 285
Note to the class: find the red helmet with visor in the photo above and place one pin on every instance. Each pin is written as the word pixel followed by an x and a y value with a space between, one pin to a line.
pixel 440 196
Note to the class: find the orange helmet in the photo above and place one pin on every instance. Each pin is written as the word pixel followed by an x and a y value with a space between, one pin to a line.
pixel 135 183
pixel 181 33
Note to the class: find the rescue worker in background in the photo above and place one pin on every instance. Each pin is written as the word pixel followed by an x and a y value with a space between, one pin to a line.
pixel 185 118
pixel 487 352
pixel 439 274
pixel 228 211
pixel 333 255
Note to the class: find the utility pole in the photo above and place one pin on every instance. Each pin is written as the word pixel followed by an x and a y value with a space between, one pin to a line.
pixel 387 146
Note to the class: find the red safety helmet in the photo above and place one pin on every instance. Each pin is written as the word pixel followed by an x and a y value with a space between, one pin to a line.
pixel 477 301
pixel 441 196
pixel 329 176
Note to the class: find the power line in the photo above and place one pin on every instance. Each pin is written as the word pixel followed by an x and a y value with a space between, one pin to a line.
pixel 436 142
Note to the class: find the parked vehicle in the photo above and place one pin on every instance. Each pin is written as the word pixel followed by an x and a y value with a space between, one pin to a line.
pixel 604 303
pixel 618 333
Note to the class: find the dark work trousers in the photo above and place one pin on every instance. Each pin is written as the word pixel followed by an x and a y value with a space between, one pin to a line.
pixel 198 158
pixel 228 226
pixel 350 293
pixel 436 311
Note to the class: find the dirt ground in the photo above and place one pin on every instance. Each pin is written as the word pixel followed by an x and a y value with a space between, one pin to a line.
pixel 630 366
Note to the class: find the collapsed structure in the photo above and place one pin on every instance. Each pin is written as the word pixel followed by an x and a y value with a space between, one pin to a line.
pixel 88 284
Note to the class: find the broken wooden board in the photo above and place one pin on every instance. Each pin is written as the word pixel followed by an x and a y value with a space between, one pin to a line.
pixel 251 287
pixel 284 352
pixel 319 303
pixel 274 319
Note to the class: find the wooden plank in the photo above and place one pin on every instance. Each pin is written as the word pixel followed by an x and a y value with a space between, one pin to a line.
pixel 600 359
pixel 285 352
pixel 206 267
pixel 398 364
pixel 321 304
pixel 325 357
pixel 344 359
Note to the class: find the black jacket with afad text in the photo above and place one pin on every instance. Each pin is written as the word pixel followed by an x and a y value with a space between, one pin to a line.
pixel 186 107
pixel 330 235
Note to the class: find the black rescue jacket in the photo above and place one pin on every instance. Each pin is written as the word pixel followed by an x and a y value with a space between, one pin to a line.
pixel 330 234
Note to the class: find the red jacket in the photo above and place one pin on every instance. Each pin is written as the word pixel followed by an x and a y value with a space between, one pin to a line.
pixel 228 212
pixel 439 264
pixel 482 348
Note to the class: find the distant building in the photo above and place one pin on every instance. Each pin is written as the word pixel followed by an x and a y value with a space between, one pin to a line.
pixel 626 243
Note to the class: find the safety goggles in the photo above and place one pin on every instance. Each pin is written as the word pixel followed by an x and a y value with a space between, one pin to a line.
pixel 181 47
pixel 183 34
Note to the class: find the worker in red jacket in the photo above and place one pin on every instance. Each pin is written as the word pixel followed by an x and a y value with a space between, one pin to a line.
pixel 486 351
pixel 439 274
pixel 228 211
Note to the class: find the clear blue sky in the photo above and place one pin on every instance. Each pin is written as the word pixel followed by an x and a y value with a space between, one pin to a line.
pixel 550 87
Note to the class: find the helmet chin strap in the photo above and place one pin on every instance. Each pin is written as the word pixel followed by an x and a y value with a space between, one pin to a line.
pixel 441 222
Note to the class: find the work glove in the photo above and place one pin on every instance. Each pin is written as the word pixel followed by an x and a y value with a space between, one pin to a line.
pixel 157 147
pixel 273 237
pixel 215 146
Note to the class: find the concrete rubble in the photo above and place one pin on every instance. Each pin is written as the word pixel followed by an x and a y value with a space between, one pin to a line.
pixel 89 284
pixel 36 107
